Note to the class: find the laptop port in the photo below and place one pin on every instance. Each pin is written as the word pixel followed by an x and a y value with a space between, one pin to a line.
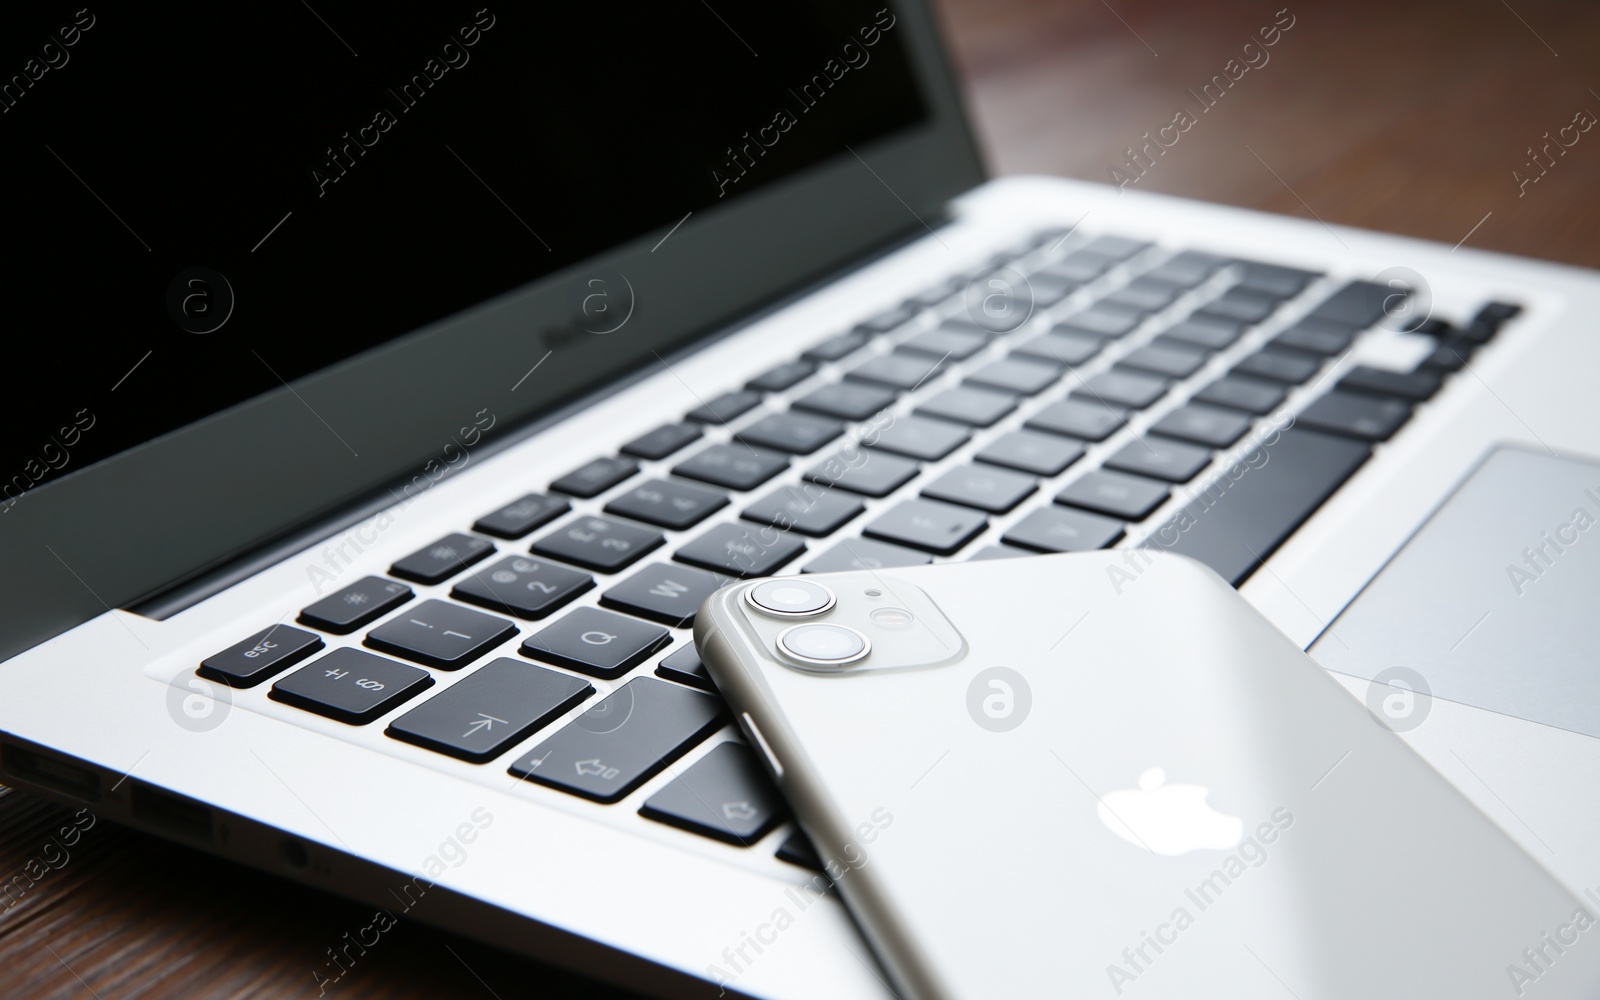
pixel 170 814
pixel 31 767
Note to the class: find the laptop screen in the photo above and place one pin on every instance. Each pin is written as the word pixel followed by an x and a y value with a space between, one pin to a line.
pixel 243 205
pixel 277 256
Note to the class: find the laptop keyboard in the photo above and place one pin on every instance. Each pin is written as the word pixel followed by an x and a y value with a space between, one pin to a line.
pixel 1118 328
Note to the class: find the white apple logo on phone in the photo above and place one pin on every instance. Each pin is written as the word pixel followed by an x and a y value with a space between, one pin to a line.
pixel 1168 819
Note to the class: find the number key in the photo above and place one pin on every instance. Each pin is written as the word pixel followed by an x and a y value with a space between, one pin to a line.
pixel 351 686
pixel 527 588
pixel 598 543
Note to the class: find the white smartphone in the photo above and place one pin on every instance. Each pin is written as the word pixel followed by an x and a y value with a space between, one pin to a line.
pixel 1106 775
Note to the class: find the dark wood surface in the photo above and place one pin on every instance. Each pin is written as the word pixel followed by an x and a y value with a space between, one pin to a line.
pixel 1409 119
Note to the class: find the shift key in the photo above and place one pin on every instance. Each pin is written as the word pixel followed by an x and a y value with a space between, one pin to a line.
pixel 624 741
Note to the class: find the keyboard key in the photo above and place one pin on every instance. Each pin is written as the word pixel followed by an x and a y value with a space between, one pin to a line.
pixel 522 516
pixel 1078 266
pixel 683 665
pixel 784 376
pixel 1247 394
pixel 871 473
pixel 935 527
pixel 1316 336
pixel 1018 375
pixel 1242 305
pixel 1242 519
pixel 1030 451
pixel 741 550
pixel 723 795
pixel 668 504
pixel 1101 320
pixel 797 850
pixel 1116 247
pixel 808 509
pixel 945 344
pixel 1087 420
pixel 1123 388
pixel 1169 360
pixel 1367 418
pixel 265 654
pixel 1203 425
pixel 1061 348
pixel 864 553
pixel 725 407
pixel 595 642
pixel 896 371
pixel 1146 294
pixel 993 490
pixel 596 477
pixel 935 294
pixel 918 437
pixel 889 319
pixel 1413 386
pixel 837 347
pixel 1273 280
pixel 733 466
pixel 349 608
pixel 482 715
pixel 966 405
pixel 598 543
pixel 1450 356
pixel 998 552
pixel 846 401
pixel 623 741
pixel 351 686
pixel 1130 498
pixel 440 634
pixel 1293 367
pixel 792 432
pixel 1359 304
pixel 518 585
pixel 1053 529
pixel 662 441
pixel 665 593
pixel 444 558
pixel 1497 312
pixel 1160 459
pixel 1212 333
pixel 1187 269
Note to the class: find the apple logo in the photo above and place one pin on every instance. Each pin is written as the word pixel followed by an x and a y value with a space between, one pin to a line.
pixel 1168 819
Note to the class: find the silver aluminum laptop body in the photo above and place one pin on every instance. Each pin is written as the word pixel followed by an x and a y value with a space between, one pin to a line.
pixel 107 713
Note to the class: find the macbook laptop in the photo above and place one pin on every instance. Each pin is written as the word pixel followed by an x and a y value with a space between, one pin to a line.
pixel 390 385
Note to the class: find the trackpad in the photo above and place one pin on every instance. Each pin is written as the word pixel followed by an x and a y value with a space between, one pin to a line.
pixel 1495 602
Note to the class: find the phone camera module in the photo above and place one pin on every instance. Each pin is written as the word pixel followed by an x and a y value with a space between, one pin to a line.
pixel 823 644
pixel 790 598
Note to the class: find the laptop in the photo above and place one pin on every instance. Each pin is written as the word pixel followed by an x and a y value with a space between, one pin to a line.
pixel 423 369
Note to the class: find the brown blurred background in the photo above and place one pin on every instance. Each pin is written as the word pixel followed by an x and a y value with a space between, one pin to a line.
pixel 1407 119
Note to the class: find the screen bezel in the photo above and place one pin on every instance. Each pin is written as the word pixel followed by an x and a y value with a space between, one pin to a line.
pixel 184 506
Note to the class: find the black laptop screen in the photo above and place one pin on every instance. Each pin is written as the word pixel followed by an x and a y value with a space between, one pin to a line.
pixel 205 203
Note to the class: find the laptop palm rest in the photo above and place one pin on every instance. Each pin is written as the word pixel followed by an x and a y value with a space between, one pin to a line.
pixel 1493 602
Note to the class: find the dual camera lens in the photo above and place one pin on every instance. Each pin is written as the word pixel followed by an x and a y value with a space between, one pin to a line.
pixel 820 643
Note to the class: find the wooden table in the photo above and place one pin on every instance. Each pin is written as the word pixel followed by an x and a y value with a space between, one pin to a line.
pixel 1410 119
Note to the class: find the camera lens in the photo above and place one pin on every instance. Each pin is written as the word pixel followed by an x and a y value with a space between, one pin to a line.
pixel 790 597
pixel 831 645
